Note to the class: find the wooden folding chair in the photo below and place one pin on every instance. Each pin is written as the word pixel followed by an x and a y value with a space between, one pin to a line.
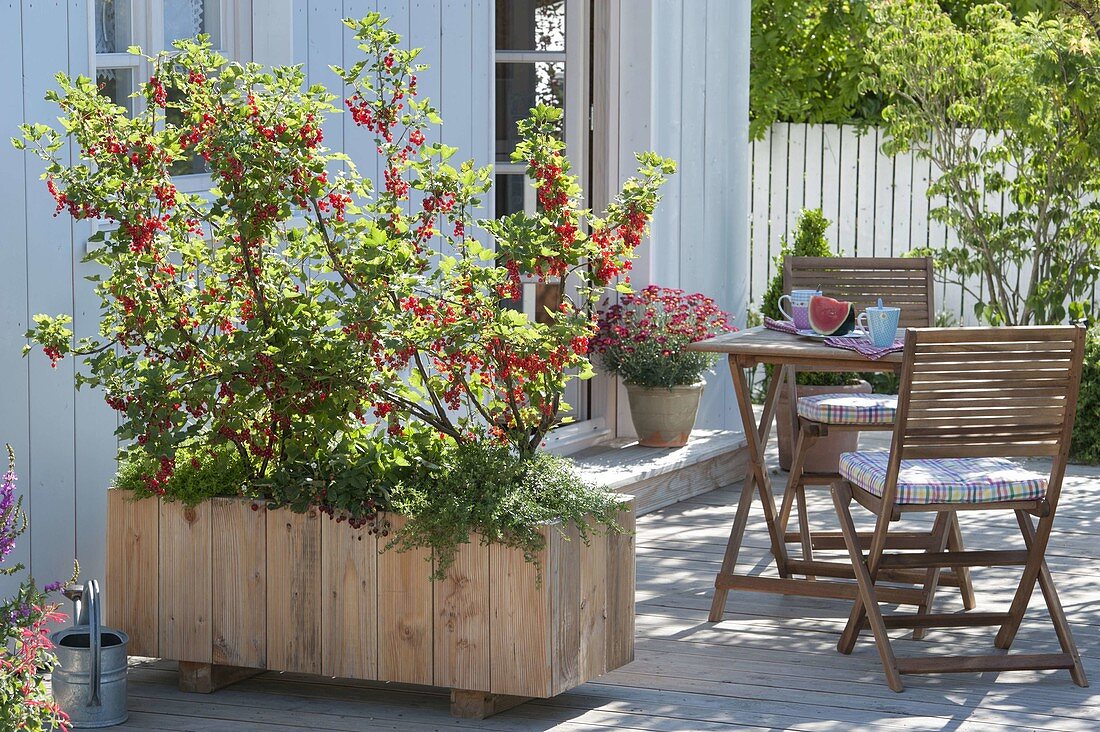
pixel 970 399
pixel 905 283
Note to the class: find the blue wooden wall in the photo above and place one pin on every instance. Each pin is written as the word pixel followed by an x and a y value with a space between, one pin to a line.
pixel 63 438
pixel 683 75
pixel 679 86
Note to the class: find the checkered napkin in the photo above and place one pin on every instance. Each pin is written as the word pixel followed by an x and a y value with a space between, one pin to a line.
pixel 860 345
pixel 784 326
pixel 864 347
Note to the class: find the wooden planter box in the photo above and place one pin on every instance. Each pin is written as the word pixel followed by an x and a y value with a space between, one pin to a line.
pixel 228 590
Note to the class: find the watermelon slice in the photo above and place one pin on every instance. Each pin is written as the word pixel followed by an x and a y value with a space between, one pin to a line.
pixel 831 317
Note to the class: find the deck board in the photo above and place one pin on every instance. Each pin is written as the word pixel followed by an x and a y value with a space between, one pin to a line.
pixel 771 663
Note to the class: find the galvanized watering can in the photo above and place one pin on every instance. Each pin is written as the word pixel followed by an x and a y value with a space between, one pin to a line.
pixel 89 681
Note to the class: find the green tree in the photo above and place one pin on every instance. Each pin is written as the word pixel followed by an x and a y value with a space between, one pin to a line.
pixel 1002 108
pixel 806 62
pixel 808 57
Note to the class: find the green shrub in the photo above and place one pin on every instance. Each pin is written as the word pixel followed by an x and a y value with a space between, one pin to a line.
pixel 200 473
pixel 809 58
pixel 809 241
pixel 1085 447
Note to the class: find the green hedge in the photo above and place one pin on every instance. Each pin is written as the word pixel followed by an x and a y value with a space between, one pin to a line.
pixel 809 241
pixel 1085 447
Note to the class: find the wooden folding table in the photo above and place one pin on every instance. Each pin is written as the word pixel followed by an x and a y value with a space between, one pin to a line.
pixel 789 353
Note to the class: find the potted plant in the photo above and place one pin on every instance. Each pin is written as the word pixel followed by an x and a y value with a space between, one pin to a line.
pixel 824 455
pixel 298 344
pixel 643 340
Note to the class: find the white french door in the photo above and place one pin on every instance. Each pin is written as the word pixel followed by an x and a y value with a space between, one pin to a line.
pixel 542 56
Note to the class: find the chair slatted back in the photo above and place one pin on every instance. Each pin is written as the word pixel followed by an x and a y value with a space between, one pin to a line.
pixel 988 392
pixel 905 283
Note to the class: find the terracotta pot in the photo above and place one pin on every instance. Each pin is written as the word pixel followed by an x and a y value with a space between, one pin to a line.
pixel 824 456
pixel 664 417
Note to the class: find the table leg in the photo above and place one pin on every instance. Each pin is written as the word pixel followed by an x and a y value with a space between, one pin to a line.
pixel 760 467
pixel 733 546
pixel 757 473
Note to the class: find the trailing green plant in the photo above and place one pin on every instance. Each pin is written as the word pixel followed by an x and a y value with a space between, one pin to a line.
pixel 483 487
pixel 1001 108
pixel 1085 446
pixel 809 241
pixel 351 479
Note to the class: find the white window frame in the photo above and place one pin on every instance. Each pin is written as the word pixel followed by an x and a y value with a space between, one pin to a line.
pixel 147 31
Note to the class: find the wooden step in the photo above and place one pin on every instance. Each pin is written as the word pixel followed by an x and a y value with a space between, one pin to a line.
pixel 658 477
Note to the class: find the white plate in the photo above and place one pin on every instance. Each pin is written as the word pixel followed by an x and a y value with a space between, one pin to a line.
pixel 857 333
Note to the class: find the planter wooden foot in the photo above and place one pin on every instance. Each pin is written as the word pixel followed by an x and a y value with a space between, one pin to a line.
pixel 204 678
pixel 481 704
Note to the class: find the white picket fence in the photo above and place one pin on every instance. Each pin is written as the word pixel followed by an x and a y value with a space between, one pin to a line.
pixel 878 204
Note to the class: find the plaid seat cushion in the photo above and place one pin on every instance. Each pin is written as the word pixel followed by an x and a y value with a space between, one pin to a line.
pixel 849 408
pixel 945 480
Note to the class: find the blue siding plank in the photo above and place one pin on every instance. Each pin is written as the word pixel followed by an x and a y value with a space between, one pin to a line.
pixel 50 478
pixel 482 103
pixel 14 369
pixel 325 49
pixel 668 52
pixel 358 142
pixel 714 269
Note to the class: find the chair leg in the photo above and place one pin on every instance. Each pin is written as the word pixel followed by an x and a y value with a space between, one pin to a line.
pixel 848 638
pixel 1036 546
pixel 842 498
pixel 955 544
pixel 1054 605
pixel 797 491
pixel 804 526
pixel 941 534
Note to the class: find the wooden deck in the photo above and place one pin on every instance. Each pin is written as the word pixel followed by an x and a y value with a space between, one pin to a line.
pixel 771 664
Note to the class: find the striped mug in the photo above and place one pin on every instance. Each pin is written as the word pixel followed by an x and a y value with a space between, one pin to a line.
pixel 799 301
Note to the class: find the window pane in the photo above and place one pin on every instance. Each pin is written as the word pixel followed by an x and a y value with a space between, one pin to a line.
pixel 509 193
pixel 547 297
pixel 185 166
pixel 113 33
pixel 188 18
pixel 509 200
pixel 118 84
pixel 520 86
pixel 530 25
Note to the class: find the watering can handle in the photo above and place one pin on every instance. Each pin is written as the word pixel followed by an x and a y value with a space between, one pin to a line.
pixel 91 607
